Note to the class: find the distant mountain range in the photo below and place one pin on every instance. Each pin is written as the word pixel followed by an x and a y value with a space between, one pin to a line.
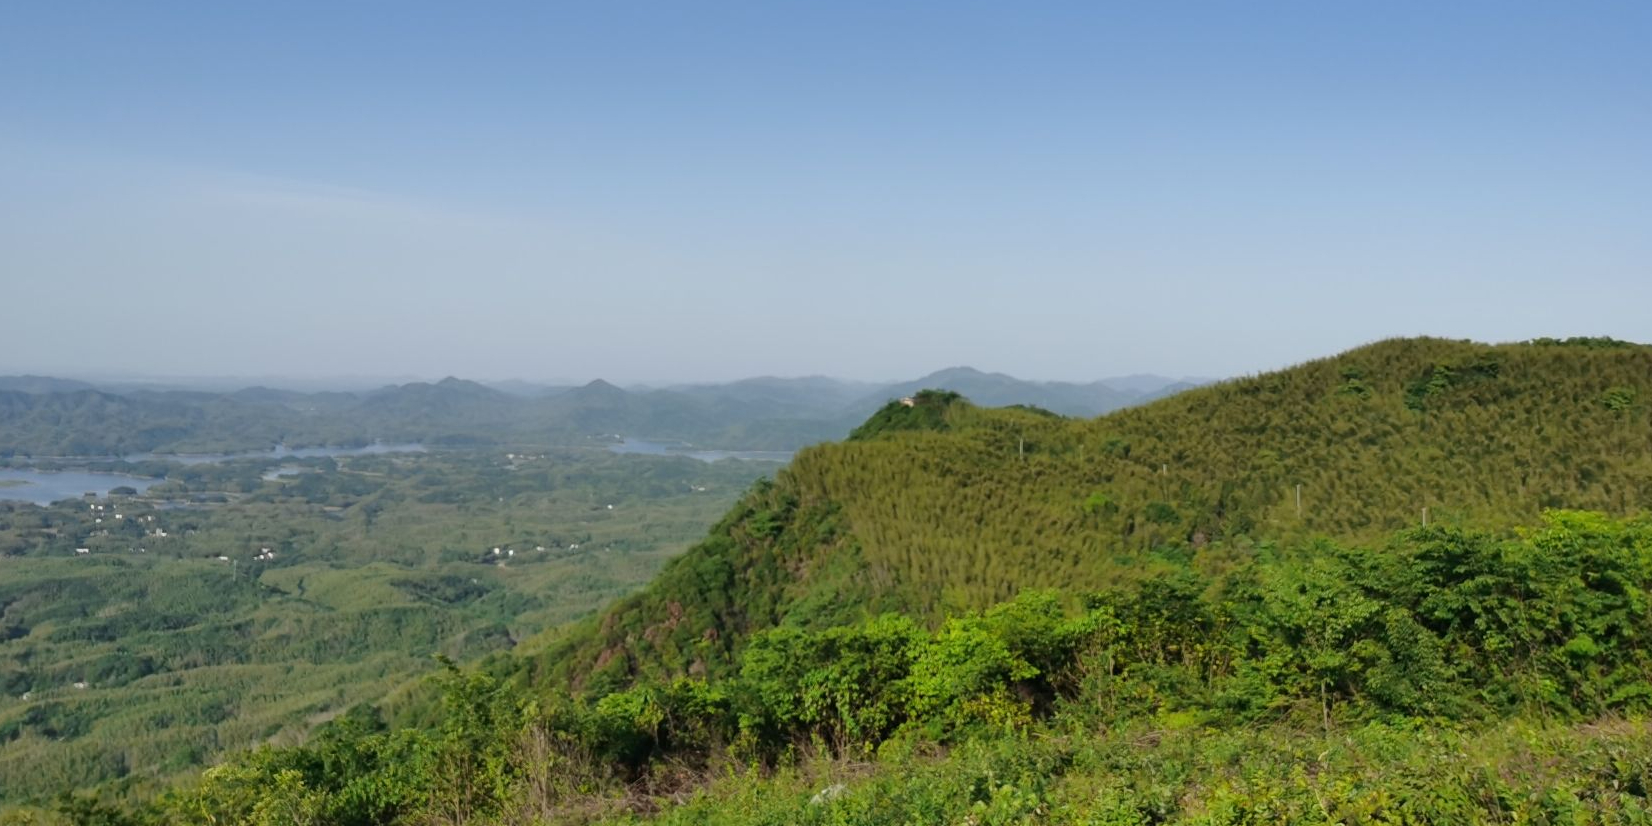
pixel 41 415
pixel 810 395
pixel 1065 398
pixel 41 384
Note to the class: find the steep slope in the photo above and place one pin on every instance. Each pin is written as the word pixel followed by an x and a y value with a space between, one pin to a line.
pixel 958 507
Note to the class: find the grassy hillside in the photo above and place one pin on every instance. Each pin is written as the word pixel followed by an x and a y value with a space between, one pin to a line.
pixel 945 507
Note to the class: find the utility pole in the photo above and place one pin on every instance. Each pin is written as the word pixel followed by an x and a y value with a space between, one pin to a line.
pixel 1021 448
pixel 1425 516
pixel 1298 500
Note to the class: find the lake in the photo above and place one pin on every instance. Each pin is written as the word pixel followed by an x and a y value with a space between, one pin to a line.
pixel 44 487
pixel 643 447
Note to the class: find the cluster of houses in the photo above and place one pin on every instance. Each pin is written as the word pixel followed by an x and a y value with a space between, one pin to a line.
pixel 113 511
pixel 263 555
pixel 113 514
pixel 501 553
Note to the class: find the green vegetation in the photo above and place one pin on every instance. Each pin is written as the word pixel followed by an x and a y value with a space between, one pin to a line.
pixel 926 410
pixel 1404 585
pixel 976 505
pixel 1448 677
pixel 149 656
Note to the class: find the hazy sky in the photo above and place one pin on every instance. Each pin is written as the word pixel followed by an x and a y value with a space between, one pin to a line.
pixel 708 190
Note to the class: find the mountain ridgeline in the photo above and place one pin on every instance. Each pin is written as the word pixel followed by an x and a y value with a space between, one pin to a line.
pixel 936 506
pixel 53 417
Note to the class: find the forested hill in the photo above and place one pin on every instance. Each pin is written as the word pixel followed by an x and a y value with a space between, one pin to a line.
pixel 942 506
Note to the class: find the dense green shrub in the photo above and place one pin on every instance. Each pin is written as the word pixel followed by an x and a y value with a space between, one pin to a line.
pixel 1234 674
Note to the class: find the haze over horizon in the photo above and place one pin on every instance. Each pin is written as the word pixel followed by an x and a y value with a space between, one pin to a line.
pixel 1134 382
pixel 657 193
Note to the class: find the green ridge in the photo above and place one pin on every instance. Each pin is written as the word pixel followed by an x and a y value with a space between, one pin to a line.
pixel 943 507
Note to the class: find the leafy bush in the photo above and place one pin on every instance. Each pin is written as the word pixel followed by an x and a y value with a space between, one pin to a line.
pixel 1372 660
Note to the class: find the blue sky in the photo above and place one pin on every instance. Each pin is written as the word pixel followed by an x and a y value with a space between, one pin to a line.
pixel 676 191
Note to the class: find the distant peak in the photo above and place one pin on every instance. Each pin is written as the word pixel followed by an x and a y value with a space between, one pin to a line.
pixel 448 386
pixel 960 372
